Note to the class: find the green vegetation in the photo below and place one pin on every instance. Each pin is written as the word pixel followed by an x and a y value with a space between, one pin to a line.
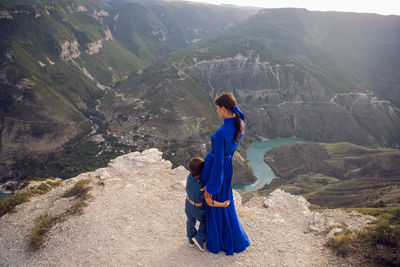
pixel 83 157
pixel 377 245
pixel 6 99
pixel 44 223
pixel 337 174
pixel 39 231
pixel 79 190
pixel 8 204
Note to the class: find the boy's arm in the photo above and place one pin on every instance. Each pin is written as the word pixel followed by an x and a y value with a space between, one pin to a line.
pixel 214 203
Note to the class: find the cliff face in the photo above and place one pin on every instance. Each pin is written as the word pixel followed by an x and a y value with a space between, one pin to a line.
pixel 136 217
pixel 288 100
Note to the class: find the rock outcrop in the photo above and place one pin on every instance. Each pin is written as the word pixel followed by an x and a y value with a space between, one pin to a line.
pixel 4 14
pixel 70 50
pixel 94 47
pixel 284 100
pixel 136 217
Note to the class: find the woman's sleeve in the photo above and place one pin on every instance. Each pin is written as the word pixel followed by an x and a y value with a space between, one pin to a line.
pixel 216 175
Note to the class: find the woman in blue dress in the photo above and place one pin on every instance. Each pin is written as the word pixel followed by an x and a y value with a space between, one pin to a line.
pixel 224 230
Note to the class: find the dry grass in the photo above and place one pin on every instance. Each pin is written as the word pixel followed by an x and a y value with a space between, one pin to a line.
pixel 42 226
pixel 44 223
pixel 79 190
pixel 378 245
pixel 8 204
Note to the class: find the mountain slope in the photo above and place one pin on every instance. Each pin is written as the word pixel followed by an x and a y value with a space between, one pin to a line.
pixel 287 82
pixel 336 175
pixel 295 73
pixel 58 59
pixel 152 29
pixel 280 65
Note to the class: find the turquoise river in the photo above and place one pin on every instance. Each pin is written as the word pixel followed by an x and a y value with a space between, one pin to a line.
pixel 255 155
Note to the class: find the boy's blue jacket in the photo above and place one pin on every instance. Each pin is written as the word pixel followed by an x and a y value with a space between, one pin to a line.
pixel 193 187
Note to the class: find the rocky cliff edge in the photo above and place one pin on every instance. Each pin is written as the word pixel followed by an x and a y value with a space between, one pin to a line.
pixel 136 217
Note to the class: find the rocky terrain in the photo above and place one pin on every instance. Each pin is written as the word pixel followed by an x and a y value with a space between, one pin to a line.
pixel 82 82
pixel 288 100
pixel 337 174
pixel 135 217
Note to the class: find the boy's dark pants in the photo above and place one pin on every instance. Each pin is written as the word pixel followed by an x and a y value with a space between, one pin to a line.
pixel 194 214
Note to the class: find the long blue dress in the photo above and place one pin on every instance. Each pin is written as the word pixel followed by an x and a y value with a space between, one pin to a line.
pixel 224 231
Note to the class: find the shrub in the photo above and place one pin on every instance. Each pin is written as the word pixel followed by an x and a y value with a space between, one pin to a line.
pixel 343 244
pixel 377 245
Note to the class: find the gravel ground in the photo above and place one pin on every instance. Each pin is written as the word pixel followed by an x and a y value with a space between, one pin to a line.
pixel 136 218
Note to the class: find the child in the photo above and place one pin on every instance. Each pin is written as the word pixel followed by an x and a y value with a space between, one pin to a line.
pixel 194 204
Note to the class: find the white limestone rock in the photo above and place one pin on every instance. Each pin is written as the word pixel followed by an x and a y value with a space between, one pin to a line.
pixel 81 9
pixel 70 50
pixel 101 13
pixel 94 47
pixel 333 232
pixel 108 35
pixel 4 14
pixel 237 198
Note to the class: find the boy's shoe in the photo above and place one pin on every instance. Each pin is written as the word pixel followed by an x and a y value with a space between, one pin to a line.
pixel 191 243
pixel 200 245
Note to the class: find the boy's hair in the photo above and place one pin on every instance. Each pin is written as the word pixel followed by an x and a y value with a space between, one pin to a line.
pixel 196 166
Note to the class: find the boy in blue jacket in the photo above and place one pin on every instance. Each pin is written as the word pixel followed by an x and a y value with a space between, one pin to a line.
pixel 194 204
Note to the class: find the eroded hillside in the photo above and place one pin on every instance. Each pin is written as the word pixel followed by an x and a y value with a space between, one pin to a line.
pixel 337 175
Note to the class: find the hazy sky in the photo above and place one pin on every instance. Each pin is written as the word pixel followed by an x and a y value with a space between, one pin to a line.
pixel 384 7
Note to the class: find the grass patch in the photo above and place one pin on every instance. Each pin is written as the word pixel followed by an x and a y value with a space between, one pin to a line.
pixel 77 207
pixel 376 245
pixel 79 190
pixel 8 204
pixel 44 223
pixel 42 189
pixel 39 231
pixel 389 215
pixel 54 183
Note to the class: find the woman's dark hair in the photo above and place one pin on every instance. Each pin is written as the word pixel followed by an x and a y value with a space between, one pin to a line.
pixel 228 101
pixel 196 166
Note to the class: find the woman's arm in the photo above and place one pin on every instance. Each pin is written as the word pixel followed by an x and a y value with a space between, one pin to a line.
pixel 216 175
